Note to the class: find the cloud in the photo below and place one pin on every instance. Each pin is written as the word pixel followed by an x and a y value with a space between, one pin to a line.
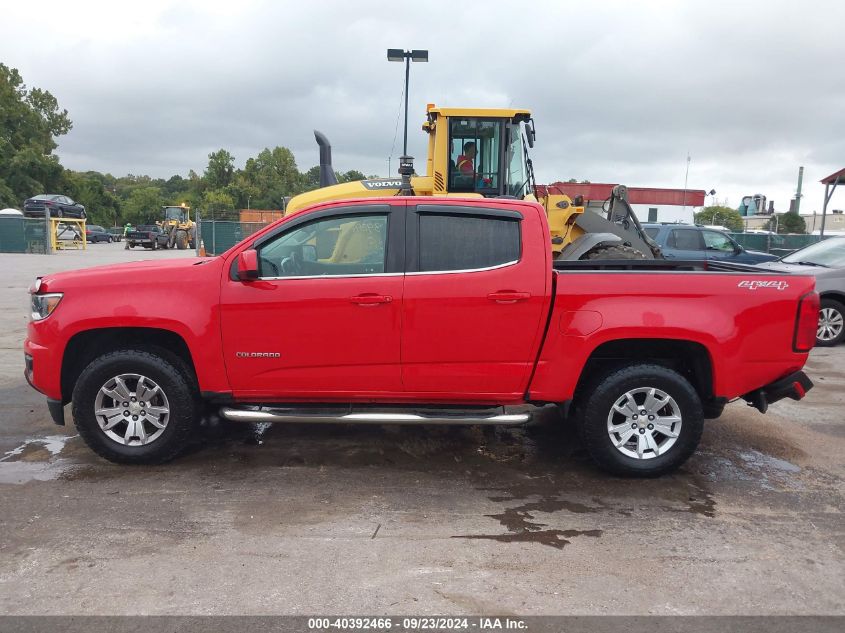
pixel 621 91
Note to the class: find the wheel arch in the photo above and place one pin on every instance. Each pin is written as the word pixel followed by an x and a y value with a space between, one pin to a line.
pixel 836 295
pixel 689 358
pixel 85 346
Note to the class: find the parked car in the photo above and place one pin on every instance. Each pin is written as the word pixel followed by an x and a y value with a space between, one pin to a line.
pixel 824 260
pixel 146 235
pixel 451 307
pixel 59 206
pixel 68 232
pixel 94 233
pixel 691 242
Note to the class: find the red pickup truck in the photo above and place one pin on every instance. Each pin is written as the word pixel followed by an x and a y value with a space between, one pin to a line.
pixel 416 310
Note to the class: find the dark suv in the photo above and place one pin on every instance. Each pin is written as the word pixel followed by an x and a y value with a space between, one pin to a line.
pixel 94 233
pixel 60 206
pixel 689 242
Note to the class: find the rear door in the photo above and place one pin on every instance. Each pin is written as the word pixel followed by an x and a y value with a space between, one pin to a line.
pixel 684 243
pixel 323 320
pixel 474 300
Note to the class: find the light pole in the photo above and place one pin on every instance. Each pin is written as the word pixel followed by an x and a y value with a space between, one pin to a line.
pixel 398 55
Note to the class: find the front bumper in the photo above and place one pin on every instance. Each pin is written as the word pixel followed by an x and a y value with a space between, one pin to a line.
pixel 795 386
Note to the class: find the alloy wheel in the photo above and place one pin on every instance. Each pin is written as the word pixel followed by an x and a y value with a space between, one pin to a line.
pixel 644 423
pixel 132 409
pixel 831 323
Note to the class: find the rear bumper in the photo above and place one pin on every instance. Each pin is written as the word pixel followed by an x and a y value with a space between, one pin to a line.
pixel 795 386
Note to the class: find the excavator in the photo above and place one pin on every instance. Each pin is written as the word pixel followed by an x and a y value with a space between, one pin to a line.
pixel 483 152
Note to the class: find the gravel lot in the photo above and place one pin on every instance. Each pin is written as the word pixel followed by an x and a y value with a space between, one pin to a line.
pixel 366 520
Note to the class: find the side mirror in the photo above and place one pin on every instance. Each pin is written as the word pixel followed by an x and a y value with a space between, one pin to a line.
pixel 248 265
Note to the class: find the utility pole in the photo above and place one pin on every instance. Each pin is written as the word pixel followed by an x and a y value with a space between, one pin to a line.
pixel 686 178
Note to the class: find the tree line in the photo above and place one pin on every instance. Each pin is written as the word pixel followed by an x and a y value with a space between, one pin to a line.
pixel 31 121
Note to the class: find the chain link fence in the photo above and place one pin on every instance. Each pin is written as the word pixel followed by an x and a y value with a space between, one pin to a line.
pixel 23 235
pixel 780 245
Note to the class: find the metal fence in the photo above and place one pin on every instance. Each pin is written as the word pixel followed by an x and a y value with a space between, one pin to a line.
pixel 220 235
pixel 775 244
pixel 23 235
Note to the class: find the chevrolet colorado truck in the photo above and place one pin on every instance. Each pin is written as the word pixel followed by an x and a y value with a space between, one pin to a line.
pixel 416 310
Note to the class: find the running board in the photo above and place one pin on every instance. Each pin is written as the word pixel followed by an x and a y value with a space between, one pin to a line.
pixel 306 417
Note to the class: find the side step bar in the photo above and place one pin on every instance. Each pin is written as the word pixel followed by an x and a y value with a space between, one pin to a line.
pixel 306 417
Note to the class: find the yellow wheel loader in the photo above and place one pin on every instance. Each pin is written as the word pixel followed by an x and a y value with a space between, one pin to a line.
pixel 179 227
pixel 483 152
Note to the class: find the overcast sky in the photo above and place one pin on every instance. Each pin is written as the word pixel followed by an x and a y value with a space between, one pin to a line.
pixel 620 91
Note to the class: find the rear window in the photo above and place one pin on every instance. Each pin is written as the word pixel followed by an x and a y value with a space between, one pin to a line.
pixel 461 242
pixel 652 231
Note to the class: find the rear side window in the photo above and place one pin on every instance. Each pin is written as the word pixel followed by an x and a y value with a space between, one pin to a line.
pixel 461 242
pixel 686 240
pixel 651 231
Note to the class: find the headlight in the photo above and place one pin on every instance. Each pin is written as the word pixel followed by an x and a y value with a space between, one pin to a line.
pixel 43 305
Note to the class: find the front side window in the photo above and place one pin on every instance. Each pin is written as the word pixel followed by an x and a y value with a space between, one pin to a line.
pixel 460 242
pixel 715 241
pixel 339 245
pixel 474 155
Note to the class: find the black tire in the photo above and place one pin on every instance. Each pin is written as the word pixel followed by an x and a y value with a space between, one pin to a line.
pixel 596 401
pixel 108 240
pixel 170 373
pixel 835 308
pixel 182 241
pixel 154 245
pixel 614 251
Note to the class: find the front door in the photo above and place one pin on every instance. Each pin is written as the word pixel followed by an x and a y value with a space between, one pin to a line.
pixel 323 320
pixel 474 301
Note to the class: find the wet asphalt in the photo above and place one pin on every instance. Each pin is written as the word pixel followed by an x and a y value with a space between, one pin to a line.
pixel 298 519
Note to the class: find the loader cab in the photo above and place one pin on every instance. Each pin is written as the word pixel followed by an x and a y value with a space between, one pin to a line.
pixel 488 155
pixel 176 214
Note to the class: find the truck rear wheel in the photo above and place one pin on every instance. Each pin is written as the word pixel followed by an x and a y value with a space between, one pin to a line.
pixel 135 407
pixel 641 420
pixel 614 251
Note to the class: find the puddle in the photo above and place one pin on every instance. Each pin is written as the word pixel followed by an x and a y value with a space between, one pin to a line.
pixel 37 459
pixel 760 460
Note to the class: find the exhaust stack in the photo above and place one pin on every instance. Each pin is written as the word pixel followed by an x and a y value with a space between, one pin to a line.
pixel 327 175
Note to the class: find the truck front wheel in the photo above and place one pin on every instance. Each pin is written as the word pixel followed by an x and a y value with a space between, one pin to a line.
pixel 641 420
pixel 136 407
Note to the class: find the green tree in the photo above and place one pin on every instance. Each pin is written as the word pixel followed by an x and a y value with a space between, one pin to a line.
pixel 720 216
pixel 143 206
pixel 350 176
pixel 30 120
pixel 220 170
pixel 272 174
pixel 788 223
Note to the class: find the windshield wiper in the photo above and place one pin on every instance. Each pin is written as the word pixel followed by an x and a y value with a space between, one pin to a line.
pixel 810 264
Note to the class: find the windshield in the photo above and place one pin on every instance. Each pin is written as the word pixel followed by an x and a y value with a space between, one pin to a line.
pixel 174 213
pixel 829 252
pixel 474 146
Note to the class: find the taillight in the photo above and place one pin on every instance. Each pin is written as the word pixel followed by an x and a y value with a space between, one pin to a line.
pixel 806 323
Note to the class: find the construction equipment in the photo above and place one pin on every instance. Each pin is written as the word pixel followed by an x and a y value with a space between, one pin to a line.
pixel 180 229
pixel 482 152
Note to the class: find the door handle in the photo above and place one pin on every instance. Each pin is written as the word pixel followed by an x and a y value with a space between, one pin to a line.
pixel 370 299
pixel 508 296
